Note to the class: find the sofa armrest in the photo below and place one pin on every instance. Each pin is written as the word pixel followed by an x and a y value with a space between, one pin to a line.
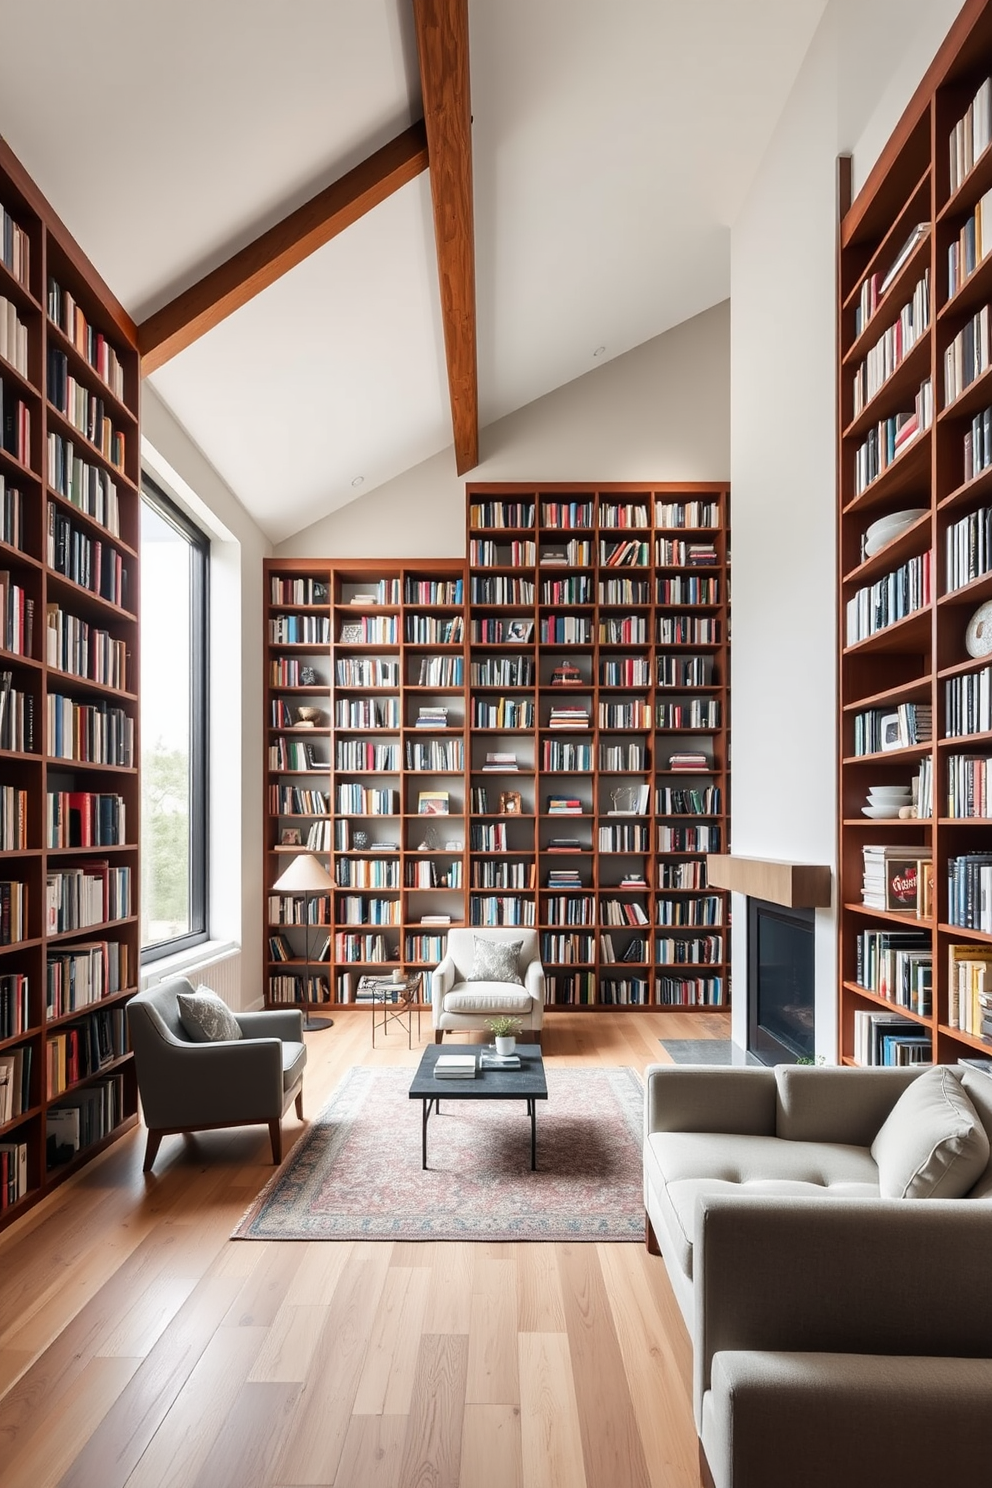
pixel 832 1275
pixel 442 980
pixel 280 1023
pixel 699 1098
pixel 534 982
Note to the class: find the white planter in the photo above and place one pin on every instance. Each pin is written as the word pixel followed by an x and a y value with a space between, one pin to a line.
pixel 506 1045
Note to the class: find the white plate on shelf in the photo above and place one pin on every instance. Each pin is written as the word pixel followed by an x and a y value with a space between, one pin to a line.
pixel 887 529
pixel 883 813
pixel 881 793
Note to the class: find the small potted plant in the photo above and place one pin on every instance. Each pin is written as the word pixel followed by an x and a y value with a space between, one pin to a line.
pixel 505 1031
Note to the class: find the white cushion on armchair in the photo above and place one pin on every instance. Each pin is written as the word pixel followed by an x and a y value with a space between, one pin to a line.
pixel 457 1002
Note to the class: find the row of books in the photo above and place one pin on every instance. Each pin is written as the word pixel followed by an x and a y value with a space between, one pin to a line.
pixel 580 513
pixel 85 819
pixel 13 337
pixel 292 754
pixel 690 991
pixel 16 616
pixel 15 1082
pixel 349 671
pixel 87 561
pixel 86 894
pixel 969 786
pixel 85 1048
pixel 367 713
pixel 354 910
pixel 88 341
pixel 879 730
pixel 433 591
pixel 15 424
pixel 898 965
pixel 484 553
pixel 969 548
pixel 83 1120
pixel 576 553
pixel 695 713
pixel 503 671
pixel 968 704
pixel 434 630
pixel 87 487
pixel 675 553
pixel 78 975
pixel 689 839
pixel 888 1039
pixel 16 716
pixel 687 630
pixel 892 347
pixel 575 590
pixel 502 713
pixel 371 873
pixel 298 909
pixel 501 909
pixel 83 409
pixel 967 356
pixel 434 755
pixel 969 139
pixel 891 598
pixel 876 286
pixel 382 592
pixel 13 818
pixel 299 630
pixel 13 911
pixel 15 1007
pixel 84 650
pixel 501 514
pixel 493 874
pixel 15 248
pixel 887 439
pixel 970 247
pixel 283 591
pixel 11 513
pixel 978 445
pixel 497 589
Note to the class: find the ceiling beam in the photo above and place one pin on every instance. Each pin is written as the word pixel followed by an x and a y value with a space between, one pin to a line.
pixel 225 289
pixel 442 45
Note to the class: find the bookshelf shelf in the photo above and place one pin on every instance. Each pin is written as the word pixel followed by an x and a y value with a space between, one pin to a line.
pixel 103 954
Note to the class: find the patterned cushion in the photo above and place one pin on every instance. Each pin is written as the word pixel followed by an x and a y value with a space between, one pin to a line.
pixel 495 961
pixel 206 1018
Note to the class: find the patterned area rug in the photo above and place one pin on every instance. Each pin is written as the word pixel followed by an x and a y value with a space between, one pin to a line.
pixel 356 1174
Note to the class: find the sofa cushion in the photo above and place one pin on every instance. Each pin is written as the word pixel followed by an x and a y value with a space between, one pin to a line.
pixel 933 1144
pixel 488 998
pixel 823 1104
pixel 496 961
pixel 978 1087
pixel 683 1165
pixel 206 1018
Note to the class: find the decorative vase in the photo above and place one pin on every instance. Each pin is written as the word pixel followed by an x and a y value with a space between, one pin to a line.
pixel 506 1045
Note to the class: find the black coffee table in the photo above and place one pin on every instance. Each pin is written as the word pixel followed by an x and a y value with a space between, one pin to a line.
pixel 526 1083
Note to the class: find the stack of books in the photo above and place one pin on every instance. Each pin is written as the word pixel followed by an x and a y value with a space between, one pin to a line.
pixel 432 718
pixel 898 877
pixel 500 764
pixel 566 674
pixel 688 759
pixel 564 878
pixel 455 1067
pixel 564 845
pixel 564 806
pixel 569 718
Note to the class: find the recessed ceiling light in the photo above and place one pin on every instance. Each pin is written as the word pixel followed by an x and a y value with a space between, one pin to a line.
pixel 359 480
pixel 600 351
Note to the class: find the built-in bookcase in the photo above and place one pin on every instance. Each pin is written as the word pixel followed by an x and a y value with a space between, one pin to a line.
pixel 915 400
pixel 598 751
pixel 366 739
pixel 69 796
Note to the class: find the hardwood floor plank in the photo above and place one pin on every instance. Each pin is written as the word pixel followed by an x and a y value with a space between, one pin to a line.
pixel 432 1450
pixel 493 1377
pixel 372 1454
pixel 611 1442
pixel 143 1324
pixel 288 1349
pixel 116 1445
pixel 449 1302
pixel 387 1378
pixel 66 1426
pixel 318 1273
pixel 659 1389
pixel 550 1440
pixel 264 1291
pixel 491 1452
pixel 320 1424
pixel 540 1308
pixel 250 1439
pixel 178 1449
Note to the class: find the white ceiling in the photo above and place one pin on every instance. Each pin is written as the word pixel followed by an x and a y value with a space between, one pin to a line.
pixel 613 146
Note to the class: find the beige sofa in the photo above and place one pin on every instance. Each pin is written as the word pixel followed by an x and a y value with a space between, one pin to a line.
pixel 839 1337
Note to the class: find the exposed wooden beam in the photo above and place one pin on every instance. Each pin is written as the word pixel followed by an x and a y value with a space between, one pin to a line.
pixel 442 45
pixel 226 288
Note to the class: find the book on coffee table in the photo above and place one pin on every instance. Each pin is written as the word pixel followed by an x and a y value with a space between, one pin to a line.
pixel 455 1067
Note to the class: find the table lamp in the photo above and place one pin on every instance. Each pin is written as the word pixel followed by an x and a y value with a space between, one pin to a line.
pixel 307 875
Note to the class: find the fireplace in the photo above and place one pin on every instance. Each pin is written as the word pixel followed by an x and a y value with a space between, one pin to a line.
pixel 780 982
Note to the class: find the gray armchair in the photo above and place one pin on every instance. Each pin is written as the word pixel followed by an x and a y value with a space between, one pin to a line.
pixel 186 1086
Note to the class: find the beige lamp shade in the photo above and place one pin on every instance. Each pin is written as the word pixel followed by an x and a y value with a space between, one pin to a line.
pixel 305 875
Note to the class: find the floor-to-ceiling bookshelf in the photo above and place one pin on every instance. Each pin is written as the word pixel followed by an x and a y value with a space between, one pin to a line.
pixel 915 401
pixel 69 502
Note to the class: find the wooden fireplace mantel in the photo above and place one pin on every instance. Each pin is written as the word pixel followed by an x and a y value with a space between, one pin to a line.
pixel 796 885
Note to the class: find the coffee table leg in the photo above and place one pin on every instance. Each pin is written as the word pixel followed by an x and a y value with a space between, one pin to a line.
pixel 423 1157
pixel 532 1105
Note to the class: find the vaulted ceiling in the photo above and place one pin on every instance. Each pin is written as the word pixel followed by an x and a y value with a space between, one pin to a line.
pixel 613 145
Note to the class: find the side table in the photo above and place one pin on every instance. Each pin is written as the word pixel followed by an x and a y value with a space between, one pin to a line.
pixel 394 1002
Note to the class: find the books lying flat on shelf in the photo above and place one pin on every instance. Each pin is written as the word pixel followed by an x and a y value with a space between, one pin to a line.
pixel 569 718
pixel 455 1067
pixel 564 806
pixel 687 759
pixel 501 764
pixel 432 718
pixel 898 877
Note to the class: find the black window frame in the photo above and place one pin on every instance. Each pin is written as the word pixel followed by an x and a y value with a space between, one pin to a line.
pixel 199 718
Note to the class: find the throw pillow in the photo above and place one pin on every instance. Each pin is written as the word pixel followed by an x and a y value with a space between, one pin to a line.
pixel 496 961
pixel 932 1145
pixel 206 1017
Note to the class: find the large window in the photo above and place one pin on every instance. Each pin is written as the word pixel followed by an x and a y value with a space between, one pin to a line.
pixel 174 567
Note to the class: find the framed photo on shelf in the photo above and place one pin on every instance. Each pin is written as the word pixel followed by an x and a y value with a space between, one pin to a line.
pixel 519 630
pixel 290 837
pixel 350 634
pixel 432 803
pixel 509 803
pixel 893 731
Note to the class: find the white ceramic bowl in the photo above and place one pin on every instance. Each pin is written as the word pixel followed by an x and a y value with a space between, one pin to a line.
pixel 881 813
pixel 886 529
pixel 880 793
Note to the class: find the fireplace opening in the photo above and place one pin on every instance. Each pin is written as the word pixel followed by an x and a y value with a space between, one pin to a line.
pixel 780 953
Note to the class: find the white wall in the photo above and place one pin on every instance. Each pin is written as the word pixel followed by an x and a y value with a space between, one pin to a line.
pixel 236 737
pixel 861 69
pixel 660 412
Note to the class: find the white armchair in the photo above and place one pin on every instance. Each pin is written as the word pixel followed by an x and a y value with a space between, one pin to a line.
pixel 457 1003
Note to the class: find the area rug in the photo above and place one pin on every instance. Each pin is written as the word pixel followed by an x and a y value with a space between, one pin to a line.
pixel 356 1174
pixel 707 1051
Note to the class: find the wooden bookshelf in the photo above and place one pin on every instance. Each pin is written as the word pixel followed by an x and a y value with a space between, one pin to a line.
pixel 608 668
pixel 374 645
pixel 918 658
pixel 69 744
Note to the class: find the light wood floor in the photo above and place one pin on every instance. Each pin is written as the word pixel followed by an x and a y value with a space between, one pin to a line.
pixel 141 1348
